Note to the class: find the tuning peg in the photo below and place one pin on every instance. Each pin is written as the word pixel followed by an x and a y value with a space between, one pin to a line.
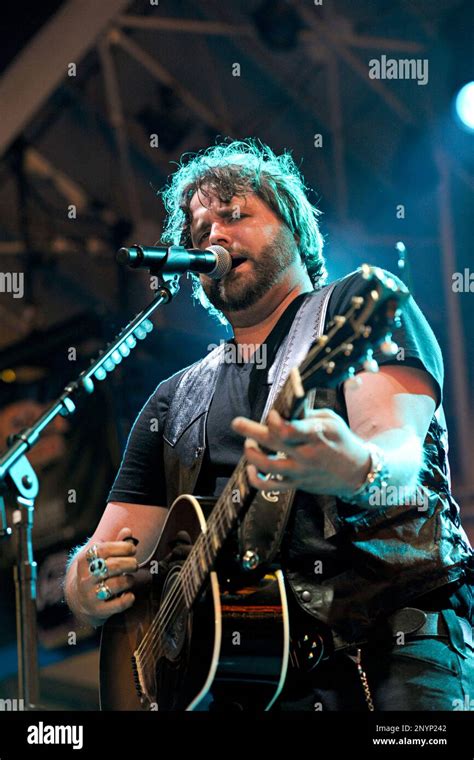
pixel 370 364
pixel 329 367
pixel 389 347
pixel 353 381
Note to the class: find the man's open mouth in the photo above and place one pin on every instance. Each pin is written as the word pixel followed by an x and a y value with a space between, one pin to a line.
pixel 237 261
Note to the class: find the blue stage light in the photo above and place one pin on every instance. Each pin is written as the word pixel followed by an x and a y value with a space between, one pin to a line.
pixel 464 104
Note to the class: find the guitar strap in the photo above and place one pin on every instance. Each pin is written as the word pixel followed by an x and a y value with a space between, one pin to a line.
pixel 263 527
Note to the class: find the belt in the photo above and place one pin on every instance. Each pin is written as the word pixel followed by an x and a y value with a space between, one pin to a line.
pixel 414 622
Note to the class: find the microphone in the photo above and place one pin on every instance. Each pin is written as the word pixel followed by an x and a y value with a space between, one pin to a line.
pixel 215 261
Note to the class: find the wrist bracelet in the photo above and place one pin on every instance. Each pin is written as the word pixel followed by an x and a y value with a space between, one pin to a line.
pixel 377 477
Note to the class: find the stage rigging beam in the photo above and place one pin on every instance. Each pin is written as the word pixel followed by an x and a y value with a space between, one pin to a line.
pixel 39 68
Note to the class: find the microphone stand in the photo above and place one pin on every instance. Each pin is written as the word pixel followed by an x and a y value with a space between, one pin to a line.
pixel 18 477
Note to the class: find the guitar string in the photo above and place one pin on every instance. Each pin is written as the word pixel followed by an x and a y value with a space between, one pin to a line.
pixel 151 641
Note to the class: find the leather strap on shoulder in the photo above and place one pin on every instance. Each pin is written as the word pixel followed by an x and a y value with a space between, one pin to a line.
pixel 263 526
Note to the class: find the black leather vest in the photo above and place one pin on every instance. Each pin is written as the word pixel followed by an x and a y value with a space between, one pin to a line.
pixel 376 559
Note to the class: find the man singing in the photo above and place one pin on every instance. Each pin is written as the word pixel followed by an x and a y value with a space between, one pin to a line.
pixel 391 597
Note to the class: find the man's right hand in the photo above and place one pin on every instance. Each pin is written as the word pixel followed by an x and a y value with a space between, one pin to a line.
pixel 121 565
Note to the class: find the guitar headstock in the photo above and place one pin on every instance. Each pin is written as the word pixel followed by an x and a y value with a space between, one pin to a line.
pixel 351 338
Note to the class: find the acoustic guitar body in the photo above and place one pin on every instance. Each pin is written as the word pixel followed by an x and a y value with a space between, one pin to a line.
pixel 228 652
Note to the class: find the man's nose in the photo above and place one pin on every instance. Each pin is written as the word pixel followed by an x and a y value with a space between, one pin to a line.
pixel 219 235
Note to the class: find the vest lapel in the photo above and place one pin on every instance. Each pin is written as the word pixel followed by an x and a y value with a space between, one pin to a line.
pixel 193 395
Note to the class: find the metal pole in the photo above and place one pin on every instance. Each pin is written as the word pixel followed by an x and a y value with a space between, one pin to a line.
pixel 25 592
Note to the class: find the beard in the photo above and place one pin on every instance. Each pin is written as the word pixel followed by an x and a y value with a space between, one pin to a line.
pixel 240 290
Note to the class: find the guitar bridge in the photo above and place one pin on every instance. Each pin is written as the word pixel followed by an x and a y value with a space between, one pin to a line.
pixel 137 682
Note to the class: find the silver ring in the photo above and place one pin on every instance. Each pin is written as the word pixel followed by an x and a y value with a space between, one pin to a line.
pixel 98 568
pixel 91 554
pixel 103 593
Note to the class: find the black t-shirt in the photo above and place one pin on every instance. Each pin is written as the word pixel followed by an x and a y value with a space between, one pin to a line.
pixel 241 390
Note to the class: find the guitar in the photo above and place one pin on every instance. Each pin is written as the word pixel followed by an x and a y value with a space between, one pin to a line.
pixel 196 639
